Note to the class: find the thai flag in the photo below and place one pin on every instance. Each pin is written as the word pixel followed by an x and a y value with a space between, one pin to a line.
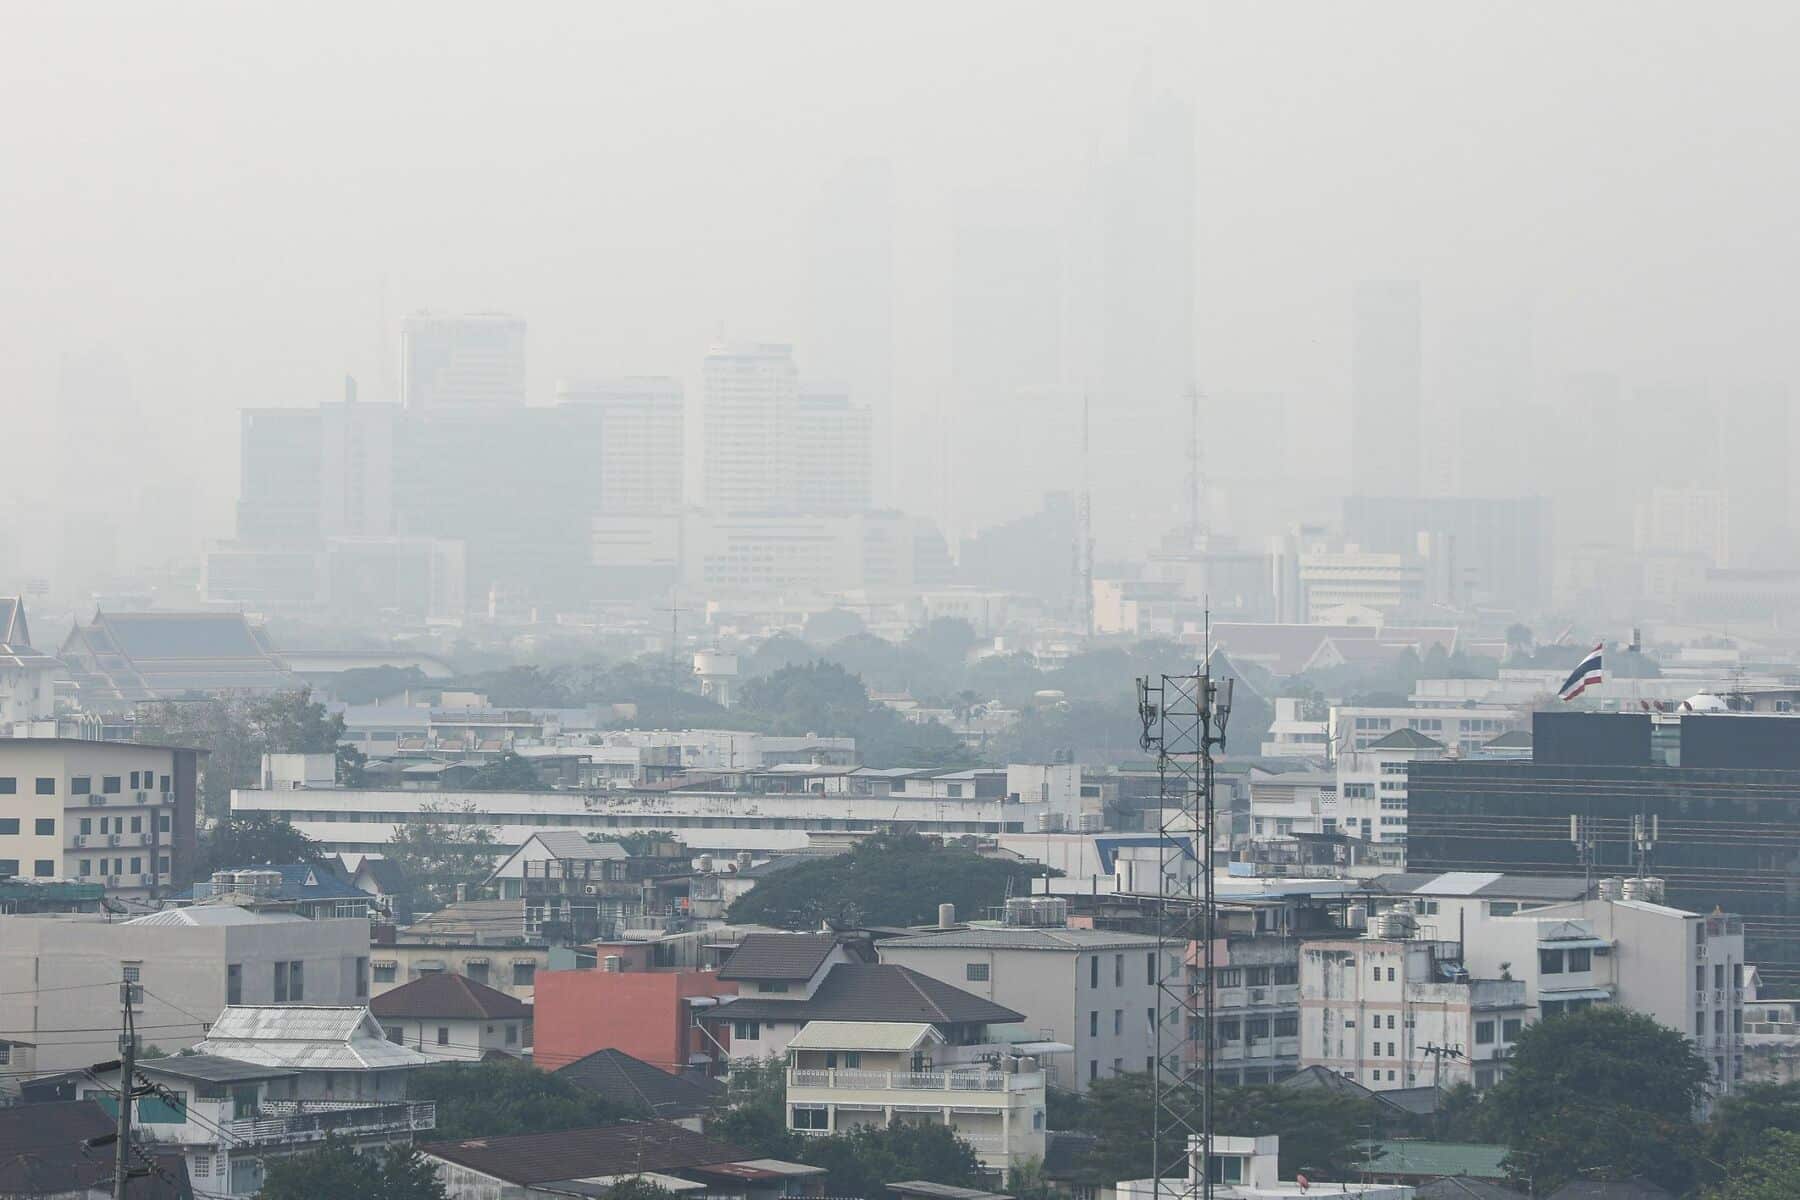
pixel 1584 676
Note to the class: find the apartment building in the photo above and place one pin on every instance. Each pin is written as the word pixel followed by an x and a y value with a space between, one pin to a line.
pixel 1351 728
pixel 1371 785
pixel 191 962
pixel 1094 990
pixel 120 814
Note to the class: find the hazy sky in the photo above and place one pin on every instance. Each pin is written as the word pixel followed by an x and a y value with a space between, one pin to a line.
pixel 223 193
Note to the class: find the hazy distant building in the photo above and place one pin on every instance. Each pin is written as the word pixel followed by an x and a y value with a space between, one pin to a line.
pixel 642 440
pixel 1499 549
pixel 1686 521
pixel 356 468
pixel 1385 401
pixel 752 392
pixel 417 579
pixel 279 488
pixel 1754 443
pixel 833 472
pixel 1033 555
pixel 452 363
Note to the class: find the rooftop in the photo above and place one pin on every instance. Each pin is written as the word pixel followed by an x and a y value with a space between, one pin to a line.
pixel 625 1149
pixel 1024 937
pixel 779 956
pixel 875 992
pixel 863 1035
pixel 616 1073
pixel 1433 1159
pixel 306 1038
pixel 210 1068
pixel 447 995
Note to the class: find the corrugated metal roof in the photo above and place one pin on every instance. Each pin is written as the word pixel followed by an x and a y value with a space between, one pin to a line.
pixel 306 1038
pixel 1473 1159
pixel 863 1035
pixel 212 915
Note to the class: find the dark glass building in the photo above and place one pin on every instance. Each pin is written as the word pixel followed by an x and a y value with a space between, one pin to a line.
pixel 1725 789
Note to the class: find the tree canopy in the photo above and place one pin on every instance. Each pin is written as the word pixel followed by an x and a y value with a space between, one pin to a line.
pixel 1771 1173
pixel 253 840
pixel 335 1169
pixel 236 732
pixel 897 879
pixel 1599 1094
pixel 438 855
pixel 494 1099
pixel 825 699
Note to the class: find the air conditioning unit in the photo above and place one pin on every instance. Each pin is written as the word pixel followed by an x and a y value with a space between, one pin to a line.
pixel 81 839
pixel 590 889
pixel 112 839
pixel 1700 950
pixel 95 799
pixel 143 797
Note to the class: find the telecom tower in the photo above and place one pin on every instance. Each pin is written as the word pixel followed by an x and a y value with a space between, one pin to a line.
pixel 1183 719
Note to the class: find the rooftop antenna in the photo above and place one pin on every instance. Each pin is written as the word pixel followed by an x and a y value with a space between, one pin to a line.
pixel 1644 833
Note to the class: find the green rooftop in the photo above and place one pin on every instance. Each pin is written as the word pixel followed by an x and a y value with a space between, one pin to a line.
pixel 1434 1159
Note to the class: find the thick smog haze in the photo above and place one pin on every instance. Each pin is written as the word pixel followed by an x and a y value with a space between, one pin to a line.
pixel 241 203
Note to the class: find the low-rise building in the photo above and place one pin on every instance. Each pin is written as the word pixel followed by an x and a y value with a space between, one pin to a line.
pixel 27 676
pixel 1371 785
pixel 1249 1168
pixel 313 890
pixel 651 1015
pixel 1094 990
pixel 47 1155
pixel 483 940
pixel 190 962
pixel 448 1016
pixel 120 814
pixel 683 1098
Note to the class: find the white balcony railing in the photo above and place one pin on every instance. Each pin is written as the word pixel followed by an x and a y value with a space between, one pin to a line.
pixel 308 1121
pixel 916 1081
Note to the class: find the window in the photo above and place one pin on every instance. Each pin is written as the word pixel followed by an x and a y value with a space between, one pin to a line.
pixel 132 972
pixel 1094 971
pixel 1700 978
pixel 46 826
pixel 1094 1023
pixel 811 1117
pixel 396 1035
pixel 1118 970
pixel 1390 974
pixel 1118 1021
pixel 1256 1029
pixel 44 868
pixel 166 789
pixel 281 983
pixel 1118 1066
pixel 110 785
pixel 1510 1029
pixel 1484 1033
pixel 362 977
pixel 746 1031
pixel 476 972
pixel 1718 1020
pixel 1699 1024
pixel 1229 1030
pixel 9 785
pixel 1550 962
pixel 137 864
pixel 1719 975
pixel 385 972
pixel 443 1038
pixel 975 972
pixel 87 825
pixel 87 867
pixel 1287 1027
pixel 1375 974
pixel 234 983
pixel 1150 968
pixel 80 785
pixel 137 824
pixel 9 825
pixel 1581 960
pixel 512 1035
pixel 524 973
pixel 1093 1068
pixel 46 786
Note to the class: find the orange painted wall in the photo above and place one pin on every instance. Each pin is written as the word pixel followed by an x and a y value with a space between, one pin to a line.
pixel 645 1014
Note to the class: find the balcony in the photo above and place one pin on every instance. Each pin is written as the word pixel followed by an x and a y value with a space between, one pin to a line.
pixel 916 1081
pixel 294 1122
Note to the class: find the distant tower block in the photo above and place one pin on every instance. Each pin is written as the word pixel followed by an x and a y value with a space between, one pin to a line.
pixel 718 673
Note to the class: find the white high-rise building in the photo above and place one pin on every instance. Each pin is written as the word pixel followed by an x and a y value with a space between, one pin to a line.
pixel 752 395
pixel 462 362
pixel 833 472
pixel 642 437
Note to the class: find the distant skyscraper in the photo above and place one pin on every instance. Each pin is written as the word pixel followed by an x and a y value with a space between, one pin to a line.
pixel 642 438
pixel 752 393
pixel 1385 390
pixel 278 496
pixel 832 468
pixel 356 467
pixel 850 314
pixel 1754 454
pixel 461 363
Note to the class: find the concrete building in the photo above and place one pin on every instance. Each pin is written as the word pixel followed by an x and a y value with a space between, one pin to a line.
pixel 451 363
pixel 1371 785
pixel 1371 1009
pixel 1093 990
pixel 752 393
pixel 191 962
pixel 449 1017
pixel 1295 734
pixel 651 1015
pixel 642 440
pixel 280 486
pixel 1386 389
pixel 1492 551
pixel 1686 521
pixel 1465 727
pixel 120 814
pixel 1289 802
pixel 833 464
pixel 27 676
pixel 1249 1168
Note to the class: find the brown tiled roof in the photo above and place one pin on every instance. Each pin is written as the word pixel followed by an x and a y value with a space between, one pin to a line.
pixel 41 1154
pixel 875 992
pixel 444 994
pixel 626 1149
pixel 781 956
pixel 615 1073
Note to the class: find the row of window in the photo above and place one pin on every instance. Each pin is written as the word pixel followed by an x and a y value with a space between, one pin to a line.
pixel 85 867
pixel 523 973
pixel 595 821
pixel 1257 1028
pixel 117 824
pixel 1118 969
pixel 43 826
pixel 1275 974
pixel 43 868
pixel 83 785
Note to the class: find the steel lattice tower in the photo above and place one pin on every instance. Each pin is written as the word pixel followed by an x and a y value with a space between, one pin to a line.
pixel 1183 719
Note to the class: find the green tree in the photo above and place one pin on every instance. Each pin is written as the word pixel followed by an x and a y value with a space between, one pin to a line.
pixel 946 640
pixel 1600 1094
pixel 236 732
pixel 756 1118
pixel 438 856
pixel 832 625
pixel 253 840
pixel 886 880
pixel 865 1160
pixel 1772 1173
pixel 494 1099
pixel 1742 1122
pixel 638 1188
pixel 823 698
pixel 508 773
pixel 338 1171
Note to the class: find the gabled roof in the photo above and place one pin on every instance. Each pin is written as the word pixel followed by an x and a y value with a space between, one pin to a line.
pixel 875 992
pixel 389 877
pixel 299 881
pixel 1330 1081
pixel 1512 739
pixel 778 956
pixel 212 915
pixel 210 1068
pixel 573 844
pixel 445 995
pixel 306 1038
pixel 15 638
pixel 41 1154
pixel 624 1149
pixel 1406 739
pixel 864 1035
pixel 615 1073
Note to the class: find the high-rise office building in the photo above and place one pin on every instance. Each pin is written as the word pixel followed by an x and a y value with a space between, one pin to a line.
pixel 278 496
pixel 1385 403
pixel 1502 547
pixel 642 439
pixel 450 364
pixel 1754 450
pixel 832 468
pixel 356 467
pixel 752 393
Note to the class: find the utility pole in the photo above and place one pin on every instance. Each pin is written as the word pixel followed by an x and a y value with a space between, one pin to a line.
pixel 127 1078
pixel 1438 1055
